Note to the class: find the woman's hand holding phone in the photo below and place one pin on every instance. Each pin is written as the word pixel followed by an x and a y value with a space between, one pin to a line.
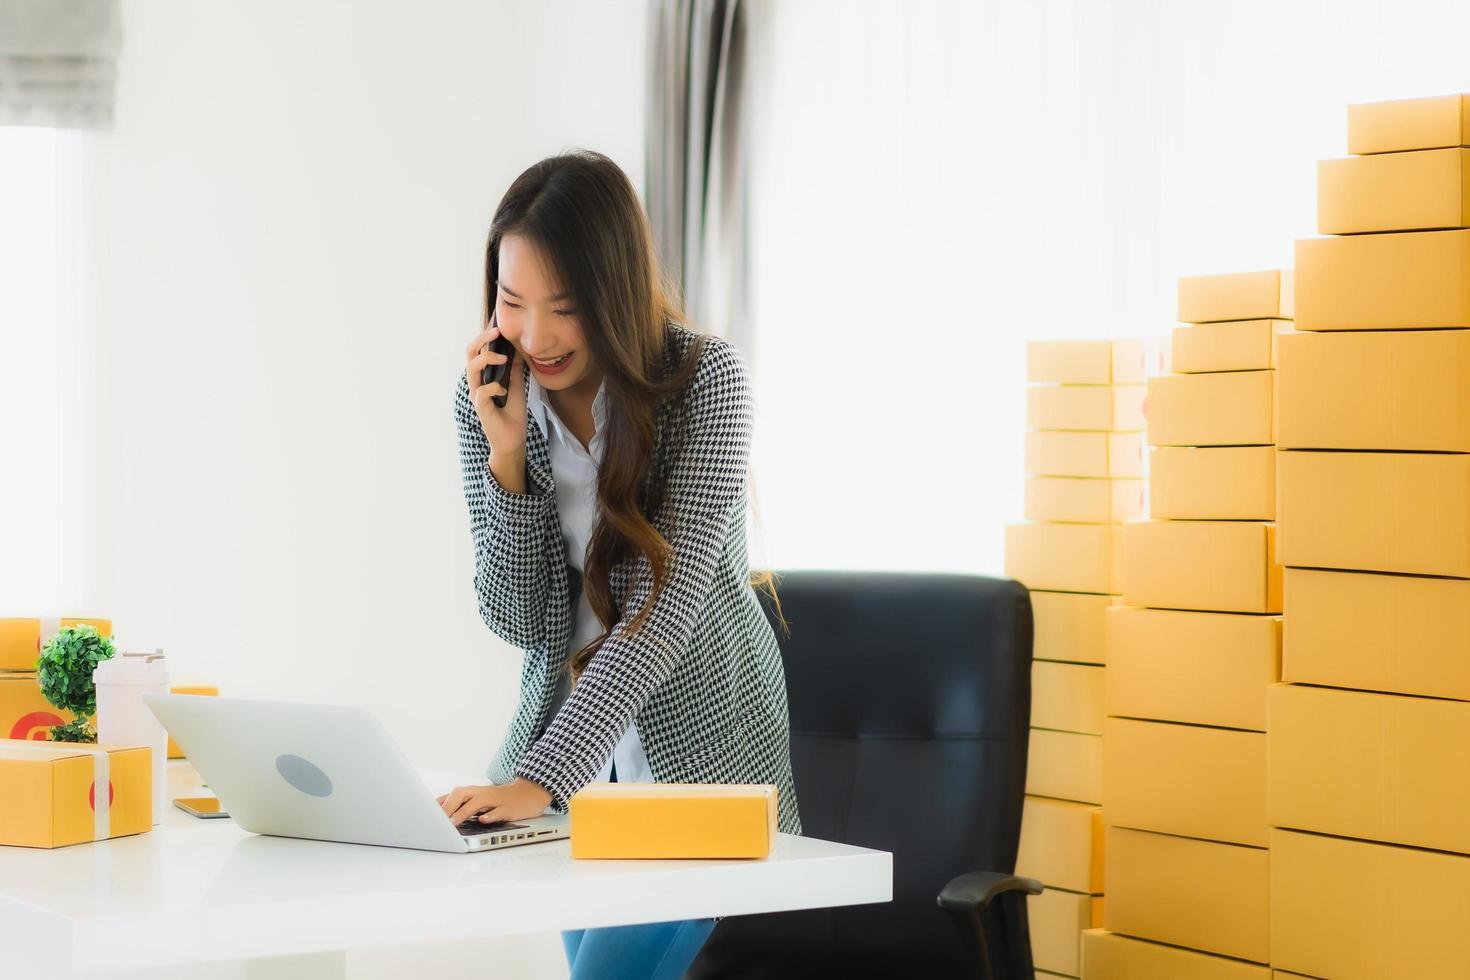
pixel 500 404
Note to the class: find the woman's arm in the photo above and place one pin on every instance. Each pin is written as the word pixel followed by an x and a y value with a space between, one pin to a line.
pixel 511 533
pixel 705 484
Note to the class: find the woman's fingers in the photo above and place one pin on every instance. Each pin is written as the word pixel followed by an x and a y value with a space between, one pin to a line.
pixel 481 339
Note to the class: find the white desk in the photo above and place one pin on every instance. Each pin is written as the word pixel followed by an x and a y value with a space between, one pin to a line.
pixel 195 891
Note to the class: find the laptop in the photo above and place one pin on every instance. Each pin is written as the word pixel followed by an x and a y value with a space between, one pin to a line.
pixel 324 772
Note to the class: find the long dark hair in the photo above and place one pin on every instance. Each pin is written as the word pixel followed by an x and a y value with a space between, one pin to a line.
pixel 581 210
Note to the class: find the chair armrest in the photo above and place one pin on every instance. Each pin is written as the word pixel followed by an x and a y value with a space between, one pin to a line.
pixel 974 891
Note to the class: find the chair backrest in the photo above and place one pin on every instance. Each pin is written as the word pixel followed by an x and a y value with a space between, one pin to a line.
pixel 910 701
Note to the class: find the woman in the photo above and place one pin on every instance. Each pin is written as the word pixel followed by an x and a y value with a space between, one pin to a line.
pixel 607 506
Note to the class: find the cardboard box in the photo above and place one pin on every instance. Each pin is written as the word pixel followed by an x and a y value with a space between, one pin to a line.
pixel 1096 454
pixel 1379 512
pixel 1399 389
pixel 1410 280
pixel 1394 192
pixel 1084 499
pixel 1069 626
pixel 673 820
pixel 1198 894
pixel 1229 409
pixel 1234 345
pixel 1062 844
pixel 1392 633
pixel 206 690
pixel 1091 408
pixel 1198 668
pixel 1085 362
pixel 1067 697
pixel 24 711
pixel 1408 124
pixel 1057 920
pixel 1208 783
pixel 1215 566
pixel 1265 295
pixel 50 792
pixel 1376 766
pixel 1063 557
pixel 21 638
pixel 1108 956
pixel 1214 483
pixel 1064 766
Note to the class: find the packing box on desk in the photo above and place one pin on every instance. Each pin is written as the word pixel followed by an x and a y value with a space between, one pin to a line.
pixel 1186 780
pixel 1064 765
pixel 1408 280
pixel 1062 844
pixel 1394 192
pixel 1199 668
pixel 1057 920
pixel 1397 389
pixel 1265 295
pixel 1216 566
pixel 1408 124
pixel 1213 483
pixel 207 690
pixel 1063 557
pixel 1229 409
pixel 1354 910
pixel 1379 512
pixel 1067 697
pixel 1095 454
pixel 1395 633
pixel 24 711
pixel 51 793
pixel 21 638
pixel 673 820
pixel 1092 408
pixel 1085 362
pixel 1083 499
pixel 1376 766
pixel 1193 893
pixel 1236 345
pixel 1069 626
pixel 1108 956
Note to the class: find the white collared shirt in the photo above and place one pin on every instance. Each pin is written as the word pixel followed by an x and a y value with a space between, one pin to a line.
pixel 574 471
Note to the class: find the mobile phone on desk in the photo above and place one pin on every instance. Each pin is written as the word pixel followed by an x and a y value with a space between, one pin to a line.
pixel 203 807
pixel 499 373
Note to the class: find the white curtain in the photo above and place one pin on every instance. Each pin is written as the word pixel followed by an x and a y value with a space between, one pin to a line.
pixel 58 62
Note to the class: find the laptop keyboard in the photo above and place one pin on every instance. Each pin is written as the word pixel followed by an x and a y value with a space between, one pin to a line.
pixel 474 828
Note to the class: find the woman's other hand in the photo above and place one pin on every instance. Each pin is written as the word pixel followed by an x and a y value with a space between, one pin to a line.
pixel 518 800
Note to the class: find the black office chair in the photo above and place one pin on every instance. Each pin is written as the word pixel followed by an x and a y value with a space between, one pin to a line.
pixel 910 699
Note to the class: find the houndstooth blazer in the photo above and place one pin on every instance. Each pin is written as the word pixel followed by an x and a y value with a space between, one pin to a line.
pixel 703 679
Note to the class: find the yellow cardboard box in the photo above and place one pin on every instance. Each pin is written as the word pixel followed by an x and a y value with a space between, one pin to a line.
pixel 1198 668
pixel 1265 295
pixel 1233 408
pixel 1214 483
pixel 207 690
pixel 1069 626
pixel 1064 766
pixel 1234 345
pixel 1409 280
pixel 1108 956
pixel 1084 499
pixel 673 820
pixel 1091 408
pixel 21 638
pixel 1409 124
pixel 1057 919
pixel 1393 633
pixel 1063 557
pixel 1376 766
pixel 1062 844
pixel 1187 780
pixel 24 712
pixel 1096 454
pixel 1067 697
pixel 1085 362
pixel 1216 566
pixel 1198 894
pixel 1380 512
pixel 1397 389
pixel 1324 924
pixel 50 792
pixel 1394 192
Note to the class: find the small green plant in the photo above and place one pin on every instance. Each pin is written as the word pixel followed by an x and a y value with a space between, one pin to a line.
pixel 65 670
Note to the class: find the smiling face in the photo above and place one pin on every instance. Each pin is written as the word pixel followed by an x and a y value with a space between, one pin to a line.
pixel 539 320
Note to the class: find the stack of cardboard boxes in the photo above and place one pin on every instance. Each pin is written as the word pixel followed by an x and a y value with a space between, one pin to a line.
pixel 1369 790
pixel 1193 652
pixel 1084 466
pixel 24 712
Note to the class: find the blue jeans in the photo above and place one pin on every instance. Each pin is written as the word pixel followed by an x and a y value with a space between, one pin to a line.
pixel 655 951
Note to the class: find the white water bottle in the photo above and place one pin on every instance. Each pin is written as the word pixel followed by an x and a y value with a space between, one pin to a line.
pixel 123 718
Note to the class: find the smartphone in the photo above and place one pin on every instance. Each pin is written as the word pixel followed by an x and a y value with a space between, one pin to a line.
pixel 203 807
pixel 499 373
